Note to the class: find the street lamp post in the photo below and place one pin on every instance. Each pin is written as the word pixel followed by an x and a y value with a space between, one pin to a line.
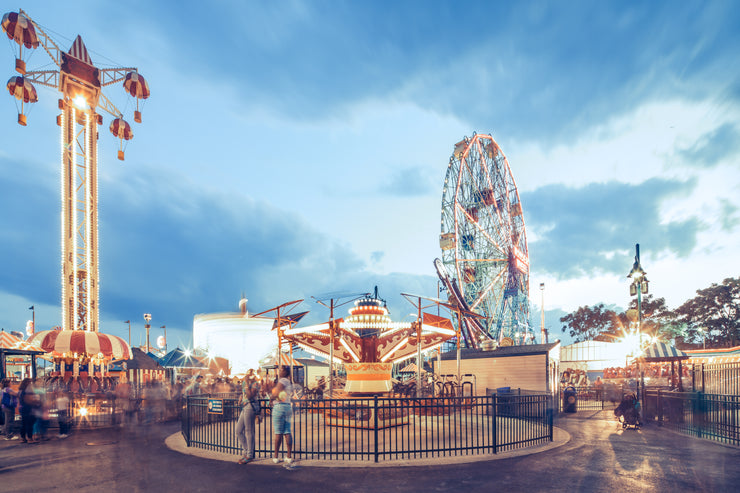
pixel 147 318
pixel 165 338
pixel 543 336
pixel 33 319
pixel 129 332
pixel 638 287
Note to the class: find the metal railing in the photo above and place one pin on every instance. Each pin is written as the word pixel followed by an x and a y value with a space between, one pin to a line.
pixel 718 378
pixel 712 416
pixel 593 398
pixel 375 429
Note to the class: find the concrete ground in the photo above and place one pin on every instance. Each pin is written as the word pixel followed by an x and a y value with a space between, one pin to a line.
pixel 590 453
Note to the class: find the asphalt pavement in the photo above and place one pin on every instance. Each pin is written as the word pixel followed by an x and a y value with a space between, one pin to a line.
pixel 591 453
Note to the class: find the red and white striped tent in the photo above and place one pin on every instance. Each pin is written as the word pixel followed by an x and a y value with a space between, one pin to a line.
pixel 9 341
pixel 285 360
pixel 81 342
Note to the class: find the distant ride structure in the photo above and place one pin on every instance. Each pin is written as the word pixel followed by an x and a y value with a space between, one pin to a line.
pixel 485 260
pixel 80 83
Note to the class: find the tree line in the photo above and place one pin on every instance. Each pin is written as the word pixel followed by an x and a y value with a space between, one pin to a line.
pixel 711 319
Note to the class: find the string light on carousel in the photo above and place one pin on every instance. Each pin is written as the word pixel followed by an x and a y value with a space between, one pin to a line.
pixel 368 343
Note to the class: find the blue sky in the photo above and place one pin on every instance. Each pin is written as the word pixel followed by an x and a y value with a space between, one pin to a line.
pixel 292 148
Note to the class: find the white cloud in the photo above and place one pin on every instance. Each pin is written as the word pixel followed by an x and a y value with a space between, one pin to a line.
pixel 631 147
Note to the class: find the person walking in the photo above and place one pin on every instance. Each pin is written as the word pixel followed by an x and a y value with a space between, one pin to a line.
pixel 62 405
pixel 250 413
pixel 282 415
pixel 9 403
pixel 27 399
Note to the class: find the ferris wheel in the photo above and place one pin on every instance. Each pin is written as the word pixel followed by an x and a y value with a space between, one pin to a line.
pixel 483 240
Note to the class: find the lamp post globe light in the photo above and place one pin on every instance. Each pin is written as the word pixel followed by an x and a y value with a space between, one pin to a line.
pixel 543 337
pixel 638 287
pixel 147 326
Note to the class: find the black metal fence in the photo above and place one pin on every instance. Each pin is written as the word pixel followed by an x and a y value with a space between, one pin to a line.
pixel 592 397
pixel 375 429
pixel 712 416
pixel 721 378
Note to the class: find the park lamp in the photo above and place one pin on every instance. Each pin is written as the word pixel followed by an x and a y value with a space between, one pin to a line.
pixel 639 279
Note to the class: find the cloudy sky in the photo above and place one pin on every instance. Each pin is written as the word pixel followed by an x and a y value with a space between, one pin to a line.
pixel 291 149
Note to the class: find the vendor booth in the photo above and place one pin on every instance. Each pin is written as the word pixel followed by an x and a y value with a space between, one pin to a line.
pixel 17 357
pixel 661 352
pixel 271 367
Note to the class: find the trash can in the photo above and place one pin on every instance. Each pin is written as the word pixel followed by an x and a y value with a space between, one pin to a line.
pixel 506 402
pixel 570 400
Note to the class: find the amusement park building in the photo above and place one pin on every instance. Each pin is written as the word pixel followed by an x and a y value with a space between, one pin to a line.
pixel 533 367
pixel 236 336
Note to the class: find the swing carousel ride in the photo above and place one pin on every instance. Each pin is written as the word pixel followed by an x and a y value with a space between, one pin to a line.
pixel 368 342
pixel 78 348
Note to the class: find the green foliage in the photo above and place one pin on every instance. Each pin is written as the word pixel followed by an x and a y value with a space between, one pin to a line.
pixel 589 323
pixel 714 313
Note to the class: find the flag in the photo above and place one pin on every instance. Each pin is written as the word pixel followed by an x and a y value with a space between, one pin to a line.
pixel 30 307
pixel 127 322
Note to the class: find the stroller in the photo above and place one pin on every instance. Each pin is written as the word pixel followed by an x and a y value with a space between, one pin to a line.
pixel 628 411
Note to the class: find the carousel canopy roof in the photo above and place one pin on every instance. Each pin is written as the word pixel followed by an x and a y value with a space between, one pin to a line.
pixel 661 351
pixel 81 342
pixel 178 359
pixel 140 361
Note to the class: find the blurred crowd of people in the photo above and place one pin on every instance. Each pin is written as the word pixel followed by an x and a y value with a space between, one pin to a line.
pixel 35 406
pixel 31 406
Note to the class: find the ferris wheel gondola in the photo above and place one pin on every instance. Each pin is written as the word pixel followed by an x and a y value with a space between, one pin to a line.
pixel 483 240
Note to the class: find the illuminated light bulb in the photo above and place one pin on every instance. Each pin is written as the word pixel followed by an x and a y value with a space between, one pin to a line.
pixel 80 102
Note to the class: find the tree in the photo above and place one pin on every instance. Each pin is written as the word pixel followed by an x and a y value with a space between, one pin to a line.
pixel 713 313
pixel 657 319
pixel 590 323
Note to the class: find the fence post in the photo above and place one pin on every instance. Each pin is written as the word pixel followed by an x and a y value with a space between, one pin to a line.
pixel 495 424
pixel 698 411
pixel 186 412
pixel 550 409
pixel 375 425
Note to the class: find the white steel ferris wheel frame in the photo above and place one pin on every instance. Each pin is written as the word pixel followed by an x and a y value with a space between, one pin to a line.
pixel 483 238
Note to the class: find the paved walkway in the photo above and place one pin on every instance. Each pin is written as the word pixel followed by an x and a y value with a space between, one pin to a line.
pixel 177 443
pixel 597 456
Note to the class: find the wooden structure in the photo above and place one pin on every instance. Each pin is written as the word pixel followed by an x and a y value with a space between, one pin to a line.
pixel 12 346
pixel 533 367
pixel 659 352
